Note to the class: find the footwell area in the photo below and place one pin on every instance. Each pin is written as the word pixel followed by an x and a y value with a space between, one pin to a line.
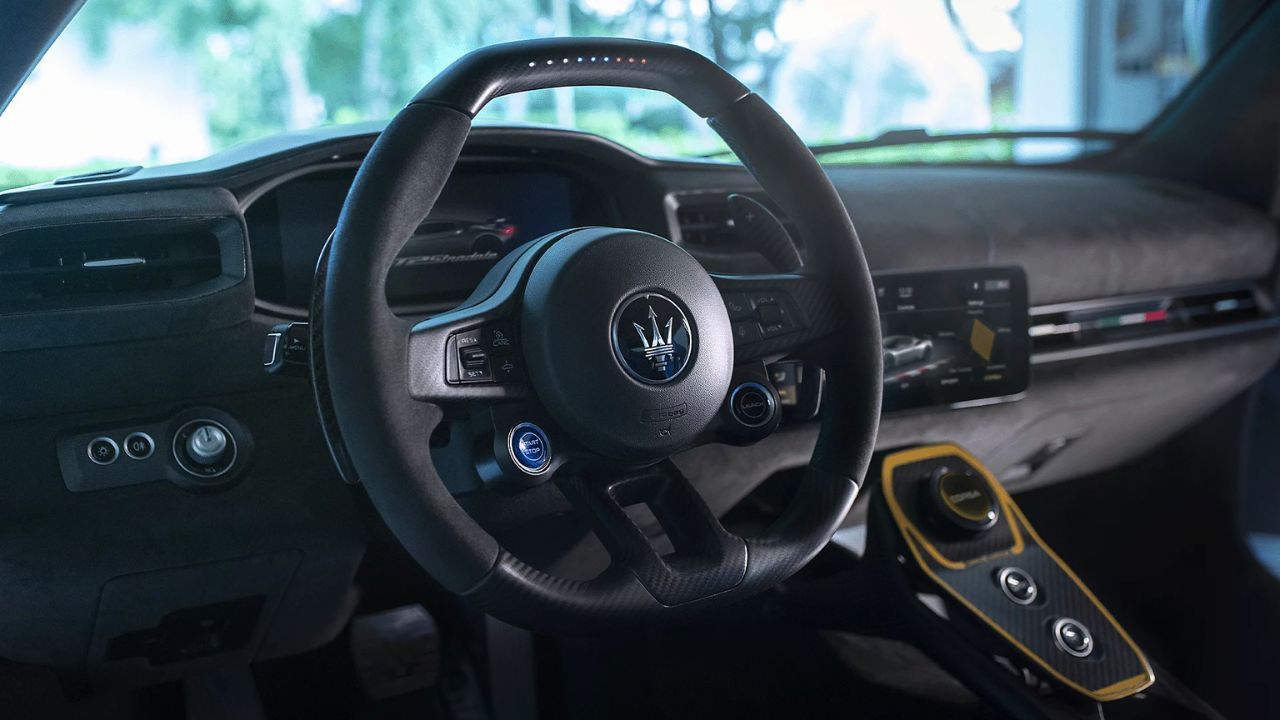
pixel 1161 544
pixel 724 670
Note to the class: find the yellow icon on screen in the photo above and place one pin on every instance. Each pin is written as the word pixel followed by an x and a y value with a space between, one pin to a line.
pixel 982 339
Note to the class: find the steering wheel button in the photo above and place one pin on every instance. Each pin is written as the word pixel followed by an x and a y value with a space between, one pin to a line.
pixel 738 305
pixel 770 314
pixel 472 357
pixel 473 360
pixel 1072 637
pixel 772 329
pixel 476 375
pixel 752 404
pixel 747 332
pixel 500 339
pixel 507 368
pixel 530 448
pixel 1017 585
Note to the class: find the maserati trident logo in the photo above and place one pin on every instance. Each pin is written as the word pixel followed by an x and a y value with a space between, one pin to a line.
pixel 652 338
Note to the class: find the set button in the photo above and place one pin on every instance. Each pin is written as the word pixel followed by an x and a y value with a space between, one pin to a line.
pixel 473 364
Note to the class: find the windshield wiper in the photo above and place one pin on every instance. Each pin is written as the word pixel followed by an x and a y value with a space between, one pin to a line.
pixel 920 136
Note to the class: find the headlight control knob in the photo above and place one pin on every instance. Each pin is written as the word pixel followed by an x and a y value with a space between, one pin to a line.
pixel 207 444
pixel 205 448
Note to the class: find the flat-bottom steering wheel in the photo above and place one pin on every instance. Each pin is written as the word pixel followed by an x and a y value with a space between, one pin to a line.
pixel 596 353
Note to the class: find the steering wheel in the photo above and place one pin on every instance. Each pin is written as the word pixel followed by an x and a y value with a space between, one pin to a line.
pixel 621 350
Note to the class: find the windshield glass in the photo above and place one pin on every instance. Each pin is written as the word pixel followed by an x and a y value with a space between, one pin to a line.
pixel 136 82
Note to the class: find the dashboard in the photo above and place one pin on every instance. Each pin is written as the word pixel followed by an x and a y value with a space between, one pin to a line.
pixel 950 336
pixel 487 210
pixel 1045 318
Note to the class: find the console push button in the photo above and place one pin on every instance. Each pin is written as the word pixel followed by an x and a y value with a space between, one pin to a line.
pixel 139 446
pixel 103 450
pixel 1072 637
pixel 1017 585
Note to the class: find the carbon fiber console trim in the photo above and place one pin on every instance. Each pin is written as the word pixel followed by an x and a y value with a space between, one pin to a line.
pixel 969 572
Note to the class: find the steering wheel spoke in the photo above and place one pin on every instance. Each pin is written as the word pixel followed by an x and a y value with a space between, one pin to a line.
pixel 464 357
pixel 656 525
pixel 473 353
pixel 777 315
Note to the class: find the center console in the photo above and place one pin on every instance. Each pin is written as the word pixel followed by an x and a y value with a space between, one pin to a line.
pixel 953 568
pixel 964 533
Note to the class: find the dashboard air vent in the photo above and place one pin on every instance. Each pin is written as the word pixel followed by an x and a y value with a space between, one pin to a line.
pixel 702 219
pixel 103 263
pixel 705 224
pixel 1137 318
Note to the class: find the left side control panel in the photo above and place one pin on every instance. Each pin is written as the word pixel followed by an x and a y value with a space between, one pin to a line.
pixel 489 354
pixel 200 447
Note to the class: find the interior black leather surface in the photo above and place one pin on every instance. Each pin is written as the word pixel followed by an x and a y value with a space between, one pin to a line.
pixel 1114 234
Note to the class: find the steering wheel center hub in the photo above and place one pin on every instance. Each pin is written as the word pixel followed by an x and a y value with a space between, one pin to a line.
pixel 628 342
pixel 652 338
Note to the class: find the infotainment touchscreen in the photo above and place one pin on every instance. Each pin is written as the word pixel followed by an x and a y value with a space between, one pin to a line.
pixel 953 336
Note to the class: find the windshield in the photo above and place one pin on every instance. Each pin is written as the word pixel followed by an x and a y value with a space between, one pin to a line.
pixel 136 82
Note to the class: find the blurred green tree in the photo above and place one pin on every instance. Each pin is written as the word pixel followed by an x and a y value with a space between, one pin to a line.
pixel 271 65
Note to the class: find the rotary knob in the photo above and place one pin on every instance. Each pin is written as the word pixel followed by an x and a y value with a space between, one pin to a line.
pixel 961 502
pixel 207 444
pixel 204 448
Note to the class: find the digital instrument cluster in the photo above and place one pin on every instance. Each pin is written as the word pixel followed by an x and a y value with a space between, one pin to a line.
pixel 486 211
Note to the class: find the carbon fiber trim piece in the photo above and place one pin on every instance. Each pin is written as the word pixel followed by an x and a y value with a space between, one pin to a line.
pixel 969 573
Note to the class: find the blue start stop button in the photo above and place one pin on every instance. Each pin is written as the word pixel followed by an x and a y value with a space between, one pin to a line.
pixel 530 448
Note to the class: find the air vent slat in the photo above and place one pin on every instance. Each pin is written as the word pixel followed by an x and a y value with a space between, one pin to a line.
pixel 1087 324
pixel 703 220
pixel 88 264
